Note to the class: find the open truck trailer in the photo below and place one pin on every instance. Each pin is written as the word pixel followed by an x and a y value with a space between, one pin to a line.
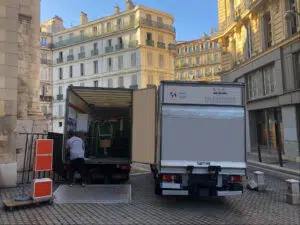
pixel 191 133
pixel 117 126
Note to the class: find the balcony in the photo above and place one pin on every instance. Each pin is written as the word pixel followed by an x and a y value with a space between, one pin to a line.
pixel 94 52
pixel 150 43
pixel 45 98
pixel 70 58
pixel 46 61
pixel 109 49
pixel 156 24
pixel 133 44
pixel 59 60
pixel 161 45
pixel 172 47
pixel 119 47
pixel 60 97
pixel 81 55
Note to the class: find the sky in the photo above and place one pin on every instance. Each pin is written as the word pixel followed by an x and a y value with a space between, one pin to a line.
pixel 192 17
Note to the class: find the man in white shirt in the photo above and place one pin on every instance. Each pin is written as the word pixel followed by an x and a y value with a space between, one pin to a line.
pixel 76 146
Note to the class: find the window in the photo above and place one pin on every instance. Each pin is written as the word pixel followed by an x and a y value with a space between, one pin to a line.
pixel 132 20
pixel 81 69
pixel 44 91
pixel 190 49
pixel 95 46
pixel 198 48
pixel 71 71
pixel 148 17
pixel 133 59
pixel 81 49
pixel 207 70
pixel 268 80
pixel 292 23
pixel 149 58
pixel 60 124
pixel 296 59
pixel 181 76
pixel 216 45
pixel 198 60
pixel 110 83
pixel 119 23
pixel 190 61
pixel 109 64
pixel 120 40
pixel 60 73
pixel 121 81
pixel 161 61
pixel 134 80
pixel 150 78
pixel 182 62
pixel 267 31
pixel 44 42
pixel 60 90
pixel 108 26
pixel 95 30
pixel 208 59
pixel 60 55
pixel 191 75
pixel 216 57
pixel 206 46
pixel 95 67
pixel 149 36
pixel 199 74
pixel 60 110
pixel 82 34
pixel 185 49
pixel 160 20
pixel 95 83
pixel 109 43
pixel 216 69
pixel 70 51
pixel 120 62
pixel 248 41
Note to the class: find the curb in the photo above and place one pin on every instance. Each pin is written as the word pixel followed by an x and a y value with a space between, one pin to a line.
pixel 275 169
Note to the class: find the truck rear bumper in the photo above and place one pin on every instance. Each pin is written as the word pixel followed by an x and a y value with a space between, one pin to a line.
pixel 186 193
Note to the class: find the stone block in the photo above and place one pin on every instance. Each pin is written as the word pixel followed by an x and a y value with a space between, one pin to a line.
pixel 11 37
pixel 2 112
pixel 11 94
pixel 8 176
pixel 12 59
pixel 10 108
pixel 9 123
pixel 9 25
pixel 2 35
pixel 11 82
pixel 2 81
pixel 2 58
pixel 2 11
pixel 12 13
pixel 11 71
pixel 293 199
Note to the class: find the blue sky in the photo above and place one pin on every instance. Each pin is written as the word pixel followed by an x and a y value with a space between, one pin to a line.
pixel 192 17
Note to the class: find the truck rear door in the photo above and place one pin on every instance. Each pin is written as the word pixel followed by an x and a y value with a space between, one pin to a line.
pixel 144 125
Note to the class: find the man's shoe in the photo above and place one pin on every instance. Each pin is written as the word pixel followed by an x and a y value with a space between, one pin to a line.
pixel 83 184
pixel 71 184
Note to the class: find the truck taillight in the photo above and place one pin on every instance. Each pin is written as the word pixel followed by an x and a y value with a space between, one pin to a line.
pixel 235 179
pixel 169 178
pixel 127 167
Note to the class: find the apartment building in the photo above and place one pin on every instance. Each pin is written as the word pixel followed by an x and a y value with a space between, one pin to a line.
pixel 198 60
pixel 130 49
pixel 261 44
pixel 47 29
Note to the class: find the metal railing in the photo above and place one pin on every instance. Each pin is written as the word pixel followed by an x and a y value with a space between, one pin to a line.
pixel 172 47
pixel 46 98
pixel 109 49
pixel 60 97
pixel 161 45
pixel 114 28
pixel 94 52
pixel 81 55
pixel 150 43
pixel 59 60
pixel 70 58
pixel 133 44
pixel 119 47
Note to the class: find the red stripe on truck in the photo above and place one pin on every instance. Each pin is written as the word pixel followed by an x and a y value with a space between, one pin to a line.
pixel 76 108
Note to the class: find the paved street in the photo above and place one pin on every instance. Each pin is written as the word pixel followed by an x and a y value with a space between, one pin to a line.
pixel 146 208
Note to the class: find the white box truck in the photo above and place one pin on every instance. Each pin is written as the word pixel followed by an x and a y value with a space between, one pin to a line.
pixel 191 133
pixel 201 144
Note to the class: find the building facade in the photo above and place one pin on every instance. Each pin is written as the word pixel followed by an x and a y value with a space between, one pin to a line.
pixel 133 48
pixel 198 60
pixel 261 47
pixel 48 28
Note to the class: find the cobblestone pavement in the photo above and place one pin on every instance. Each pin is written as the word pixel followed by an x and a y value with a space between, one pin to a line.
pixel 146 208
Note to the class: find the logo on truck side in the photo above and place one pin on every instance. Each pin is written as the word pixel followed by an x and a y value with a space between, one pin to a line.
pixel 219 91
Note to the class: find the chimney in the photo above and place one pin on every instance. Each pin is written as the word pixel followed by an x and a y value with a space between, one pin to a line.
pixel 83 18
pixel 117 9
pixel 129 5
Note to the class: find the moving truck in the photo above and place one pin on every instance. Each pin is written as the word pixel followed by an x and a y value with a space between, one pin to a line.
pixel 192 134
